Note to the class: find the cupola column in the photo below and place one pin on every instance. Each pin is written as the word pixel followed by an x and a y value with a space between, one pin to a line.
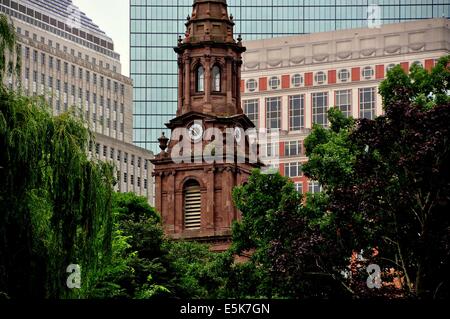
pixel 180 86
pixel 207 63
pixel 187 82
pixel 229 76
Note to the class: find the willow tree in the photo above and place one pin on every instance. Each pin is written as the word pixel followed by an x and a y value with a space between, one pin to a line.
pixel 9 49
pixel 55 201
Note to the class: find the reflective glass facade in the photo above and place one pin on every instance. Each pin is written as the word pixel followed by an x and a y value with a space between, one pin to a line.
pixel 156 24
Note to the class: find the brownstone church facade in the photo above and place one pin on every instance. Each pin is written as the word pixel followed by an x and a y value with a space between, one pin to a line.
pixel 208 153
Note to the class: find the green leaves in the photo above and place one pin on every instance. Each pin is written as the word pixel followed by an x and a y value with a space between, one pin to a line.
pixel 7 48
pixel 260 199
pixel 331 154
pixel 385 187
pixel 284 240
pixel 397 190
pixel 56 203
pixel 397 87
pixel 422 88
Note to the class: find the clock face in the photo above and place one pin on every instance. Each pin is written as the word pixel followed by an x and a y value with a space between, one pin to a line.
pixel 196 132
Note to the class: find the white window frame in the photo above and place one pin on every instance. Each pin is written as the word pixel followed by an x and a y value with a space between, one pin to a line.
pixel 297 80
pixel 338 94
pixel 251 85
pixel 347 74
pixel 277 112
pixel 367 106
pixel 390 66
pixel 313 186
pixel 253 116
pixel 320 78
pixel 289 145
pixel 323 108
pixel 365 75
pixel 301 99
pixel 274 83
pixel 293 166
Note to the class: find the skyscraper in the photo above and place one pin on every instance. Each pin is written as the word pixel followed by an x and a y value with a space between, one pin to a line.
pixel 156 24
pixel 70 61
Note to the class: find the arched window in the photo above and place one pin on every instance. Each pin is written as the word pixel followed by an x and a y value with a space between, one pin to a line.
pixel 215 79
pixel 297 80
pixel 274 82
pixel 320 77
pixel 192 205
pixel 344 75
pixel 252 85
pixel 200 81
pixel 368 72
pixel 390 67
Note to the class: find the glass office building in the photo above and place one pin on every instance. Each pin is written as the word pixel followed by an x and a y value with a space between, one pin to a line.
pixel 156 25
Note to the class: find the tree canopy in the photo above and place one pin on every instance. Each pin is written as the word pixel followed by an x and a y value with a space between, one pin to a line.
pixel 56 203
pixel 9 49
pixel 385 201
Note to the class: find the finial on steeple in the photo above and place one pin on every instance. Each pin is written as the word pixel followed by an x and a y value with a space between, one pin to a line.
pixel 188 17
pixel 239 38
pixel 231 17
pixel 163 140
pixel 180 40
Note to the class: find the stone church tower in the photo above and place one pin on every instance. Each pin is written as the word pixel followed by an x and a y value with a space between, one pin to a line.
pixel 208 153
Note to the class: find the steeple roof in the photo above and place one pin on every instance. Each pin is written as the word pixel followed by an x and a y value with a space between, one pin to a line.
pixel 209 22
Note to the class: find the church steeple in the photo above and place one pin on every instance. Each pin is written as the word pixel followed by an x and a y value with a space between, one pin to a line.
pixel 208 152
pixel 210 22
pixel 209 62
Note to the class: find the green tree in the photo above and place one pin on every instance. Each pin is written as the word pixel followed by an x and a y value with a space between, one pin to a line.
pixel 198 272
pixel 385 198
pixel 331 155
pixel 289 254
pixel 55 201
pixel 387 179
pixel 147 264
pixel 9 50
pixel 137 266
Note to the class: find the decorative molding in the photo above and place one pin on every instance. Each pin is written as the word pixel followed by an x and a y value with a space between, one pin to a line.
pixel 320 58
pixel 344 55
pixel 416 47
pixel 368 52
pixel 351 44
pixel 393 49
pixel 298 60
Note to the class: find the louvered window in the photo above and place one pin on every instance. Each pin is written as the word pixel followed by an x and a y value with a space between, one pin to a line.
pixel 192 205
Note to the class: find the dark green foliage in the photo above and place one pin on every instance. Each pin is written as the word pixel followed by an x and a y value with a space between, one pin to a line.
pixel 386 197
pixel 137 239
pixel 419 88
pixel 402 181
pixel 198 272
pixel 330 152
pixel 55 202
pixel 290 258
pixel 388 186
pixel 146 264
pixel 9 50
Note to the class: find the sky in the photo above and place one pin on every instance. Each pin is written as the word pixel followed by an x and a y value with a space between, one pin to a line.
pixel 112 16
